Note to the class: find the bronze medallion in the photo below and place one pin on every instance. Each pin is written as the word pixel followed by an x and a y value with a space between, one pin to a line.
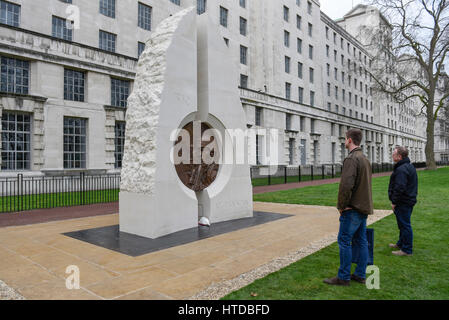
pixel 197 176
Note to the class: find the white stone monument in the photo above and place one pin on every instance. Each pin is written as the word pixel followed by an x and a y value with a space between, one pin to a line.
pixel 185 75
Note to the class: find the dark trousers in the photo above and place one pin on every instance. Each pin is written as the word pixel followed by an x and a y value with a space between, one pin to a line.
pixel 352 226
pixel 403 215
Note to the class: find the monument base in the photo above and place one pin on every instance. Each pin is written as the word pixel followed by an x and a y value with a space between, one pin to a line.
pixel 112 238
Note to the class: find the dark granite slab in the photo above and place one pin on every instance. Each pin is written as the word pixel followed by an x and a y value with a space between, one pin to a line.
pixel 111 238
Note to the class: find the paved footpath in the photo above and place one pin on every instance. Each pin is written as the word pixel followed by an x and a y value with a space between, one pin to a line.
pixel 34 258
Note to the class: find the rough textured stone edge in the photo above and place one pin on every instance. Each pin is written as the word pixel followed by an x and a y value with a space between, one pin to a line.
pixel 8 293
pixel 221 289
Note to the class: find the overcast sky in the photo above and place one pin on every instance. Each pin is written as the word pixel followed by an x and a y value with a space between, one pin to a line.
pixel 337 8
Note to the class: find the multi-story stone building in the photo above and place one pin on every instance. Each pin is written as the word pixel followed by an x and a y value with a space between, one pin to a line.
pixel 442 123
pixel 67 68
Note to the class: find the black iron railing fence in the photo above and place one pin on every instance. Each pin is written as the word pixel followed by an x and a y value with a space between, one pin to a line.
pixel 20 193
pixel 26 193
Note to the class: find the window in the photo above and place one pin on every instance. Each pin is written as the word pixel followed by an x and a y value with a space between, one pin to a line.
pixel 328 69
pixel 60 30
pixel 298 22
pixel 16 140
pixel 140 48
pixel 119 143
pixel 311 75
pixel 224 17
pixel 107 7
pixel 107 41
pixel 328 89
pixel 144 14
pixel 327 32
pixel 299 45
pixel 9 13
pixel 226 40
pixel 333 151
pixel 74 143
pixel 312 98
pixel 243 3
pixel 309 7
pixel 258 116
pixel 312 125
pixel 73 85
pixel 310 29
pixel 286 13
pixel 14 75
pixel 287 64
pixel 336 73
pixel 286 38
pixel 300 66
pixel 310 52
pixel 258 149
pixel 301 95
pixel 288 87
pixel 177 2
pixel 243 26
pixel 119 92
pixel 291 150
pixel 243 81
pixel 288 121
pixel 336 92
pixel 243 54
pixel 201 6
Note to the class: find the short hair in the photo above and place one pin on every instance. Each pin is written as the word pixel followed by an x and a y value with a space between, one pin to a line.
pixel 402 151
pixel 355 135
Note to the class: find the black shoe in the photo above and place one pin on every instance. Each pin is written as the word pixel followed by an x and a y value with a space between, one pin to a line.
pixel 357 278
pixel 337 281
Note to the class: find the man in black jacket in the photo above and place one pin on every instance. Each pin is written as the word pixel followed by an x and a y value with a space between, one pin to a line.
pixel 402 192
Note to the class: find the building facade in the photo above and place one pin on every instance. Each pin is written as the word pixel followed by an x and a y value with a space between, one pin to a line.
pixel 67 68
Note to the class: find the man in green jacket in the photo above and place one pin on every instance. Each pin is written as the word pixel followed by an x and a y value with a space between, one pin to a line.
pixel 355 203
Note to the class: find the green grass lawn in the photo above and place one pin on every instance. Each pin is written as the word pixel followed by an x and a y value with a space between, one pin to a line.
pixel 425 275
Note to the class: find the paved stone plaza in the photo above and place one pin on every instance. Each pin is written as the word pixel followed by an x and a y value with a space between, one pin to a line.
pixel 34 258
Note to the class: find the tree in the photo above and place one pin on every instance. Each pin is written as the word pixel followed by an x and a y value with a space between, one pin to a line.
pixel 410 55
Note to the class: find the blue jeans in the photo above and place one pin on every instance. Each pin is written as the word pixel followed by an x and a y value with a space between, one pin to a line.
pixel 352 226
pixel 403 215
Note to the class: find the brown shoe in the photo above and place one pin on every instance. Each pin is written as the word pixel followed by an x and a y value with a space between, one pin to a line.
pixel 357 278
pixel 393 245
pixel 401 253
pixel 337 281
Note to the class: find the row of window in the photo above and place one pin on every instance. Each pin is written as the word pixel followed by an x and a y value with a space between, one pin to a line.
pixel 288 90
pixel 16 142
pixel 348 46
pixel 343 96
pixel 63 29
pixel 15 76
